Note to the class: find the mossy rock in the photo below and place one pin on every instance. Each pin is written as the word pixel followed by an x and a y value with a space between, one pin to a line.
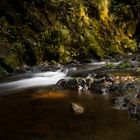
pixel 53 62
pixel 138 71
pixel 110 66
pixel 125 65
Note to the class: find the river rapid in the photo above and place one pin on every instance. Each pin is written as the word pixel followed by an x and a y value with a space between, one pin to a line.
pixel 32 109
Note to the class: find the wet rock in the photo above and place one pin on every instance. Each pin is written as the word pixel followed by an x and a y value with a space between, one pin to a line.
pixel 61 84
pixel 130 86
pixel 137 95
pixel 121 103
pixel 130 102
pixel 97 87
pixel 117 89
pixel 53 67
pixel 89 81
pixel 101 85
pixel 79 84
pixel 123 88
pixel 83 73
pixel 85 85
pixel 71 71
pixel 104 76
pixel 134 111
pixel 72 63
pixel 83 90
pixel 72 84
pixel 76 109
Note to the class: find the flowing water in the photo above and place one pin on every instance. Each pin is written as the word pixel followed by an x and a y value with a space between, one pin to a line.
pixel 33 80
pixel 34 112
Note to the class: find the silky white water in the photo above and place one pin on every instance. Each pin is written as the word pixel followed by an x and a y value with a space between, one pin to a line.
pixel 102 63
pixel 38 79
pixel 47 78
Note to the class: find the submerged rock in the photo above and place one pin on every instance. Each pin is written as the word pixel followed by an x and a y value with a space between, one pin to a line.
pixel 129 101
pixel 121 103
pixel 76 109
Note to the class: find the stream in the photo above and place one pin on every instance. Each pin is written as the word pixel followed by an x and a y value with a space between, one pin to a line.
pixel 31 109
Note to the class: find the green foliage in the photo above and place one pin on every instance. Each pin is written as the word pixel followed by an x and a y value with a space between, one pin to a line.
pixel 138 71
pixel 17 51
pixel 129 44
pixel 110 66
pixel 61 30
pixel 124 65
pixel 12 61
pixel 53 62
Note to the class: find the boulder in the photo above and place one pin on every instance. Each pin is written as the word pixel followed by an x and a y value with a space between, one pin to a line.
pixel 76 108
pixel 70 83
pixel 85 85
pixel 74 83
pixel 121 103
pixel 101 86
pixel 117 89
pixel 130 86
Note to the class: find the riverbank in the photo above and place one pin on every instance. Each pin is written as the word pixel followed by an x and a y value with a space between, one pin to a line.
pixel 109 97
pixel 118 79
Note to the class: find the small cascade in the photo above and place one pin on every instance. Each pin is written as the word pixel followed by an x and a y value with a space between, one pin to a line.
pixel 38 80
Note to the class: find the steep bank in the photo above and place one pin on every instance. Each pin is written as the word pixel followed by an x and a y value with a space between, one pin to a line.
pixel 44 30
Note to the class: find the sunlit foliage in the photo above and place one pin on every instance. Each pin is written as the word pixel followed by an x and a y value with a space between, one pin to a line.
pixel 62 30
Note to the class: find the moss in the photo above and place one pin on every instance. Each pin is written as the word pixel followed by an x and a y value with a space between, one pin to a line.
pixel 138 71
pixel 53 62
pixel 62 30
pixel 12 61
pixel 110 66
pixel 124 65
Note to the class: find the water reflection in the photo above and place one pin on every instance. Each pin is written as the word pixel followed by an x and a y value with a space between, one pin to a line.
pixel 46 115
pixel 50 95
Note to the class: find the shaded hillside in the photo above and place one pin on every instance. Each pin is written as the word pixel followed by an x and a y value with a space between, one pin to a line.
pixel 33 31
